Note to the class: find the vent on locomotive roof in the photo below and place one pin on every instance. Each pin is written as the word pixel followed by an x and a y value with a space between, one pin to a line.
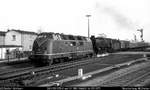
pixel 79 37
pixel 71 37
pixel 57 33
pixel 64 37
pixel 84 38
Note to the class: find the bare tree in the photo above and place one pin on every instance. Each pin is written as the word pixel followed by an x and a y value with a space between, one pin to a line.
pixel 39 30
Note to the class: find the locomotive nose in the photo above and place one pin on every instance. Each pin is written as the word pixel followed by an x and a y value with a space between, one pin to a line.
pixel 40 47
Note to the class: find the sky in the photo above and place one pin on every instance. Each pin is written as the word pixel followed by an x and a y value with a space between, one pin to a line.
pixel 117 19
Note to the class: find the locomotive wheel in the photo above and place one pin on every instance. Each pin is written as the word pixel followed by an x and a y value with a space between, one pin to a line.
pixel 50 62
pixel 62 60
pixel 66 59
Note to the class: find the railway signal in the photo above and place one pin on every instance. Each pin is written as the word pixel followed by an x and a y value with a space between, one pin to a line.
pixel 135 38
pixel 141 30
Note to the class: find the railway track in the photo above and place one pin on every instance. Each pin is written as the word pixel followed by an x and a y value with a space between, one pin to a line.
pixel 140 80
pixel 49 76
pixel 28 77
pixel 128 78
pixel 10 71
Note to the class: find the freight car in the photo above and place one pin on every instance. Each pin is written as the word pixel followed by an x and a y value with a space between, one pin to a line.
pixel 49 48
pixel 124 45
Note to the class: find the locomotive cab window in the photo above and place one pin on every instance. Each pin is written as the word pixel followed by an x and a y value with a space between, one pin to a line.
pixel 45 35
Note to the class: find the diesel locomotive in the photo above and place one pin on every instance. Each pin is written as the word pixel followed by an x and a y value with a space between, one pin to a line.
pixel 49 48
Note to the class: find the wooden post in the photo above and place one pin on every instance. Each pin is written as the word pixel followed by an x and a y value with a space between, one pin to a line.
pixel 80 72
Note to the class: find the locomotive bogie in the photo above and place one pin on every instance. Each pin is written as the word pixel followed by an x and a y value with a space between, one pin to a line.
pixel 40 59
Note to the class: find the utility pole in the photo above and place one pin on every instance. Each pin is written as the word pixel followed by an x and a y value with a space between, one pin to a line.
pixel 88 25
pixel 135 38
pixel 141 30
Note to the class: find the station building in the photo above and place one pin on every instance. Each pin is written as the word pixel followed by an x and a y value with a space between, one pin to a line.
pixel 5 49
pixel 16 43
pixel 20 38
pixel 2 38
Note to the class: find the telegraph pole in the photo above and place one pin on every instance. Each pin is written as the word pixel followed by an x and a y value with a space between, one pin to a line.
pixel 88 25
pixel 135 38
pixel 141 30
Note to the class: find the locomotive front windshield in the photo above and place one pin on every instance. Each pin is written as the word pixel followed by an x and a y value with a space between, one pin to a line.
pixel 52 36
pixel 45 35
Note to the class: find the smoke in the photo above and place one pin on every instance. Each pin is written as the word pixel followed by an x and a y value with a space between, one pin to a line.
pixel 120 19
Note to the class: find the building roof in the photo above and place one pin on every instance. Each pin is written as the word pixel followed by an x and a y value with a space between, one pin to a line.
pixel 23 32
pixel 2 33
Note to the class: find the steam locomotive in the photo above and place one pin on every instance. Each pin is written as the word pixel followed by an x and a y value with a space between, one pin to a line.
pixel 102 45
pixel 49 48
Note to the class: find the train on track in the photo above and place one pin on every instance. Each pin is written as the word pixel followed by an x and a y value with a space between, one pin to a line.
pixel 102 45
pixel 49 48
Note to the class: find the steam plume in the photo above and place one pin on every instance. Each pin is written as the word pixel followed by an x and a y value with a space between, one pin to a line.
pixel 117 16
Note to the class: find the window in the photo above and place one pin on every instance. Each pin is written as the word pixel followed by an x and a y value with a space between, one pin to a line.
pixel 80 43
pixel 30 47
pixel 71 37
pixel 72 43
pixel 64 37
pixel 7 51
pixel 79 37
pixel 45 35
pixel 14 37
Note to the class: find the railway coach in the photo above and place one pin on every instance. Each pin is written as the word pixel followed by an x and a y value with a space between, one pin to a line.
pixel 102 45
pixel 138 45
pixel 125 45
pixel 49 48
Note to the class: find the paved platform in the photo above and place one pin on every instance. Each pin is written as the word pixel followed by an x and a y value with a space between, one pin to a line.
pixel 132 52
pixel 13 60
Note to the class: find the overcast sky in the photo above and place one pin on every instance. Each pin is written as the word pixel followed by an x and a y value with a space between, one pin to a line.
pixel 115 18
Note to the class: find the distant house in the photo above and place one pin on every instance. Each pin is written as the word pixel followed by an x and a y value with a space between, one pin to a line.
pixel 2 38
pixel 20 38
